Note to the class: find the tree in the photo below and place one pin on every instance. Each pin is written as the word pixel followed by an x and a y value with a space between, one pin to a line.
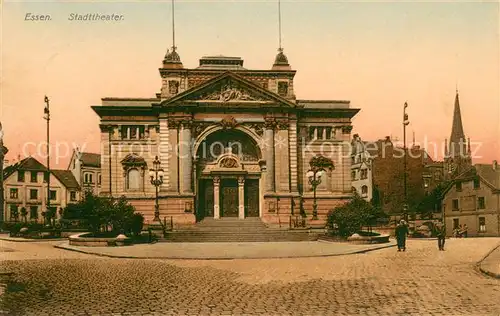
pixel 350 218
pixel 14 213
pixel 432 201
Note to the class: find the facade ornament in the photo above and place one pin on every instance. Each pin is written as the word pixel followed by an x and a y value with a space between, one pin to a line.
pixel 173 123
pixel 228 92
pixel 270 123
pixel 241 180
pixel 216 180
pixel 157 129
pixel 228 122
pixel 199 127
pixel 283 124
pixel 187 123
pixel 228 163
pixel 346 129
pixel 257 128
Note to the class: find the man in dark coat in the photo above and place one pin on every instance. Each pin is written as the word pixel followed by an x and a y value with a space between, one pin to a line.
pixel 401 233
pixel 441 234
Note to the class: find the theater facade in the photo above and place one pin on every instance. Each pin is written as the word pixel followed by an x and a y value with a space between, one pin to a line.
pixel 232 142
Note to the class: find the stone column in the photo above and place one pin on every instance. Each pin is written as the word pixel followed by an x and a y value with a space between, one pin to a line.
pixel 269 153
pixel 216 197
pixel 282 157
pixel 173 154
pixel 241 197
pixel 164 149
pixel 186 158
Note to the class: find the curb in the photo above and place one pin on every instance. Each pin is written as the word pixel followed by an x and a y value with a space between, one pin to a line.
pixel 30 239
pixel 63 247
pixel 484 271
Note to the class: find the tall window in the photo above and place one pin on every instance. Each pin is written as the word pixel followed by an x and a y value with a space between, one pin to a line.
pixel 88 178
pixel 14 193
pixel 328 133
pixel 133 132
pixel 34 175
pixel 454 206
pixel 133 179
pixel 477 184
pixel 353 175
pixel 482 224
pixel 72 196
pixel 320 132
pixel 20 176
pixel 33 194
pixel 458 186
pixel 364 174
pixel 99 179
pixel 283 88
pixel 33 212
pixel 311 133
pixel 456 223
pixel 364 191
pixel 53 194
pixel 480 203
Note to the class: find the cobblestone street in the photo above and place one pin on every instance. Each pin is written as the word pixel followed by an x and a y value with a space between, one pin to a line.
pixel 41 280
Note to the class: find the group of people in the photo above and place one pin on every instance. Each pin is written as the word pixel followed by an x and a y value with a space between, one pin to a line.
pixel 460 231
pixel 402 231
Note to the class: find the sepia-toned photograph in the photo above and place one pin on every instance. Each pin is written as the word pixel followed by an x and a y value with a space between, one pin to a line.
pixel 249 157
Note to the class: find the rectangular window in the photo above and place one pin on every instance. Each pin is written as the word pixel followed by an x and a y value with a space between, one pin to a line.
pixel 458 186
pixel 456 223
pixel 353 160
pixel 141 132
pixel 320 133
pixel 14 193
pixel 133 132
pixel 20 176
pixel 353 175
pixel 454 206
pixel 33 194
pixel 72 196
pixel 53 194
pixel 283 88
pixel 426 183
pixel 328 133
pixel 124 132
pixel 480 203
pixel 364 174
pixel 477 184
pixel 311 133
pixel 87 178
pixel 99 179
pixel 482 224
pixel 34 175
pixel 33 212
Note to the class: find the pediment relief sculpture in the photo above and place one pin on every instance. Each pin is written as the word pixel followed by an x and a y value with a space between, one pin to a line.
pixel 228 122
pixel 228 162
pixel 230 92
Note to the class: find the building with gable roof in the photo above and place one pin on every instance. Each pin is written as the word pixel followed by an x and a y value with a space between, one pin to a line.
pixel 473 199
pixel 86 168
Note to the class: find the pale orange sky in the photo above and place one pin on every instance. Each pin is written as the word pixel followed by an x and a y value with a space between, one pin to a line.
pixel 378 55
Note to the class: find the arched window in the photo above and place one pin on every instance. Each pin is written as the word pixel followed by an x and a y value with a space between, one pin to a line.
pixel 364 190
pixel 133 179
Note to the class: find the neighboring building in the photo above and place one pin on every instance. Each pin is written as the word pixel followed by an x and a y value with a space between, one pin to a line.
pixel 86 168
pixel 231 142
pixel 388 174
pixel 458 155
pixel 473 199
pixel 25 185
pixel 361 169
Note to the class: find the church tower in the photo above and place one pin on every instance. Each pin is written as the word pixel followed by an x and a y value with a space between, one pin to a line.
pixel 458 154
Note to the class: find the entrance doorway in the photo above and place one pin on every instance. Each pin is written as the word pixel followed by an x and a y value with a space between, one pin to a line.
pixel 229 198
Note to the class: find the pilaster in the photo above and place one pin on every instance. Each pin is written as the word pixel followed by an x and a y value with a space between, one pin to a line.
pixel 282 170
pixel 241 197
pixel 186 157
pixel 269 153
pixel 292 136
pixel 173 156
pixel 216 181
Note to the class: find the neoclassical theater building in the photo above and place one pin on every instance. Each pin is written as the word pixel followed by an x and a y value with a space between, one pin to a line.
pixel 232 142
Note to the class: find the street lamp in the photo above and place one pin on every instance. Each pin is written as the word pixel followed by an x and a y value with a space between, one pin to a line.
pixel 46 116
pixel 405 123
pixel 314 175
pixel 156 176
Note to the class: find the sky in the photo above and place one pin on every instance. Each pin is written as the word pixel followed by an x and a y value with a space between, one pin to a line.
pixel 378 55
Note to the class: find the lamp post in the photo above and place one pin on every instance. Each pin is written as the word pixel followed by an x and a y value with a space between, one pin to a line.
pixel 46 117
pixel 156 175
pixel 314 176
pixel 405 123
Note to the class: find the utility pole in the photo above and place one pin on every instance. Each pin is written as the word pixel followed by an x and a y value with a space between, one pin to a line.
pixel 3 152
pixel 47 118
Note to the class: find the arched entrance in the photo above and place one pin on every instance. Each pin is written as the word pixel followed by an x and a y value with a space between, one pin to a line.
pixel 228 175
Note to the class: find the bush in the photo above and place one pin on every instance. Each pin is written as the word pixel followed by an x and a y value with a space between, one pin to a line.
pixel 350 218
pixel 136 224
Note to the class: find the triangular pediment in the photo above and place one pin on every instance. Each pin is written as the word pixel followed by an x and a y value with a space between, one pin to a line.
pixel 229 89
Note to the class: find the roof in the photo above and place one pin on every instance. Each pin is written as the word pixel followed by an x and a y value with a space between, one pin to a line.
pixel 489 174
pixel 67 178
pixel 90 160
pixel 27 164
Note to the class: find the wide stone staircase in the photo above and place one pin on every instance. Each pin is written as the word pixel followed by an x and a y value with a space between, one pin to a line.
pixel 237 230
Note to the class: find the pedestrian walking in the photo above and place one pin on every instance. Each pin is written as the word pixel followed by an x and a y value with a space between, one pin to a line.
pixel 441 235
pixel 401 233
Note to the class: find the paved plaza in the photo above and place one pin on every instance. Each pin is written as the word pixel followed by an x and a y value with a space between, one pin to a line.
pixel 38 279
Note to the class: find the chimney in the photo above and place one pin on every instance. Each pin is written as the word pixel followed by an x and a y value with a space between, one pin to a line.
pixel 388 139
pixel 495 165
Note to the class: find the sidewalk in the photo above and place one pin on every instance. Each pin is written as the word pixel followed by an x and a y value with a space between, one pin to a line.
pixel 490 265
pixel 219 250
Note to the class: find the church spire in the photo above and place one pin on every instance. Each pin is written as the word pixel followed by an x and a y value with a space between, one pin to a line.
pixel 457 138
